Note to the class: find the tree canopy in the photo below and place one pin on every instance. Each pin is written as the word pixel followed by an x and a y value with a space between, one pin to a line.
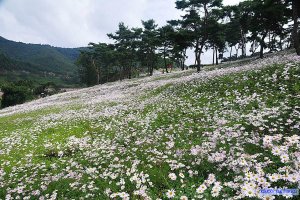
pixel 253 25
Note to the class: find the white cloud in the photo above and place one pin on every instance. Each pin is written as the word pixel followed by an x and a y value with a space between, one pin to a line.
pixel 74 23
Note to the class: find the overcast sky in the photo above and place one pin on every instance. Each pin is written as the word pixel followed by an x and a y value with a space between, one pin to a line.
pixel 75 23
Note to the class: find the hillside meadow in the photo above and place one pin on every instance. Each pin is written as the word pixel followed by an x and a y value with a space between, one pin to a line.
pixel 223 133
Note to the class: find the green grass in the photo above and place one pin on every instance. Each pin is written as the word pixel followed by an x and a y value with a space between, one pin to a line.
pixel 185 113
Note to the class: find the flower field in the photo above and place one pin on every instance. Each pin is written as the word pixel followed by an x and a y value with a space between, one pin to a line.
pixel 224 133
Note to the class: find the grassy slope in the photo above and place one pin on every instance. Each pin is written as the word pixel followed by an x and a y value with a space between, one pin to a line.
pixel 130 137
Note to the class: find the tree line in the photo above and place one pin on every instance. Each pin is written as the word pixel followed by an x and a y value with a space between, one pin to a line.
pixel 255 25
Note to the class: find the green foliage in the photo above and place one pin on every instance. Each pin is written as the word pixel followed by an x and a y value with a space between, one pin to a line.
pixel 22 91
pixel 8 64
pixel 149 44
pixel 18 93
pixel 19 59
pixel 126 46
pixel 207 24
pixel 87 70
pixel 264 17
pixel 134 52
pixel 196 21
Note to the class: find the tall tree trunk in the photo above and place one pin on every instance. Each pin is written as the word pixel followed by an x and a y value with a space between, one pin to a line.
pixel 262 45
pixel 204 39
pixel 184 58
pixel 280 44
pixel 196 55
pixel 217 57
pixel 129 72
pixel 296 25
pixel 198 63
pixel 149 63
pixel 150 70
pixel 243 49
pixel 181 63
pixel 270 42
pixel 261 52
pixel 165 60
pixel 243 43
pixel 196 58
pixel 214 56
pixel 199 59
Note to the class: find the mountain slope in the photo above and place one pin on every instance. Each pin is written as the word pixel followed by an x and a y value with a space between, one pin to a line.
pixel 220 134
pixel 8 64
pixel 44 59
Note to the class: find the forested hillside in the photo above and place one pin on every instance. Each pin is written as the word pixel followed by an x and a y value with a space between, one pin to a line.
pixel 37 62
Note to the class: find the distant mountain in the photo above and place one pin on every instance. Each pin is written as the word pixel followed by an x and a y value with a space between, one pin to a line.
pixel 21 61
pixel 8 64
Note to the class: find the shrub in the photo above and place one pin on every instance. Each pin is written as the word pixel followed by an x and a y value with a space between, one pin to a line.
pixel 15 94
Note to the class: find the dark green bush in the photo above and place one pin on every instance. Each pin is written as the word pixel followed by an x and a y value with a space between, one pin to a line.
pixel 15 94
